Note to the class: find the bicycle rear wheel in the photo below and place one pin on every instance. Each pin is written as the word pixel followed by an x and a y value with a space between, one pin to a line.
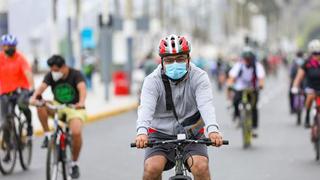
pixel 317 139
pixel 55 167
pixel 298 117
pixel 25 146
pixel 8 148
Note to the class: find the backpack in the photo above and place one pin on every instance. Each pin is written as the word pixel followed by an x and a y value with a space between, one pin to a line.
pixel 254 77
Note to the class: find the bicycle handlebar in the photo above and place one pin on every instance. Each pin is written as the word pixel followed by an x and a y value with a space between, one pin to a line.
pixel 205 141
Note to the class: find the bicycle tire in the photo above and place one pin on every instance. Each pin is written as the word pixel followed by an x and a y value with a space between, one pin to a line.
pixel 298 117
pixel 52 172
pixel 180 177
pixel 247 129
pixel 25 146
pixel 66 160
pixel 317 149
pixel 317 142
pixel 13 150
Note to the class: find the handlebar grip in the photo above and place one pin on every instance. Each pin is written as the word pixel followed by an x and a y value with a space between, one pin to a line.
pixel 149 144
pixel 224 142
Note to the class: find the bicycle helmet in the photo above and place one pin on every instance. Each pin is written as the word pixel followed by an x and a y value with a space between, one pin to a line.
pixel 173 45
pixel 9 40
pixel 314 46
pixel 248 53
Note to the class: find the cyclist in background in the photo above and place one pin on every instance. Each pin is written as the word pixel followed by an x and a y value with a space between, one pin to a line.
pixel 247 73
pixel 68 87
pixel 311 71
pixel 176 99
pixel 15 79
pixel 298 61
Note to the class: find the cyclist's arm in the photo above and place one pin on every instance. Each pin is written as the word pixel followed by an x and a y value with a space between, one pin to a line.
pixel 81 86
pixel 233 74
pixel 204 98
pixel 26 69
pixel 261 75
pixel 29 76
pixel 299 77
pixel 146 109
pixel 39 92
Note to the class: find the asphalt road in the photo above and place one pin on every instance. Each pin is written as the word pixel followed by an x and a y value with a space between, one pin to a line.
pixel 282 152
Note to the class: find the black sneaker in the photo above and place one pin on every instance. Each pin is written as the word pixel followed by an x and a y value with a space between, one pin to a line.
pixel 7 157
pixel 45 142
pixel 29 131
pixel 307 125
pixel 254 133
pixel 75 172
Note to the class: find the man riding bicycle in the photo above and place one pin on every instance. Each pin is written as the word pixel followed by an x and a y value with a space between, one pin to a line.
pixel 15 79
pixel 311 71
pixel 68 87
pixel 298 61
pixel 246 74
pixel 176 99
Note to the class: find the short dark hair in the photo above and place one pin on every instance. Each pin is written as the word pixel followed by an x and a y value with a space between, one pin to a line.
pixel 56 60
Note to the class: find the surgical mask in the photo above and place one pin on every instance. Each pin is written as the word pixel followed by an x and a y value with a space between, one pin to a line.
pixel 175 70
pixel 10 51
pixel 299 61
pixel 56 75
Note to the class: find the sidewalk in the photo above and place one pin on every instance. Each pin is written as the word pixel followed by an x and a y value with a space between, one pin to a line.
pixel 96 105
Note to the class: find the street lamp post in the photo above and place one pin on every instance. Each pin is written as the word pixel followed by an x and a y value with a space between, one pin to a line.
pixel 54 28
pixel 129 30
pixel 106 33
pixel 4 17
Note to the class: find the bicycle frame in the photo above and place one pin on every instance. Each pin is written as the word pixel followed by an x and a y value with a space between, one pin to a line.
pixel 180 170
pixel 59 143
pixel 60 134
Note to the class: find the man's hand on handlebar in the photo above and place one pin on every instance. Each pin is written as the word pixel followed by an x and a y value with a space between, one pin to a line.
pixel 79 105
pixel 141 141
pixel 35 102
pixel 216 139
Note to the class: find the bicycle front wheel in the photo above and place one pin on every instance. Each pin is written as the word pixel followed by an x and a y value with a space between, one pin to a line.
pixel 8 149
pixel 25 146
pixel 246 128
pixel 55 167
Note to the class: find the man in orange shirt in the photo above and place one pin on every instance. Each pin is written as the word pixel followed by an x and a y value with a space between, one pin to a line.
pixel 15 80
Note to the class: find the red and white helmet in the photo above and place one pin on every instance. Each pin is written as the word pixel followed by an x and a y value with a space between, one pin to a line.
pixel 172 45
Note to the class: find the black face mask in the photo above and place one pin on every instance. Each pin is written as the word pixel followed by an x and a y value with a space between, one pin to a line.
pixel 10 52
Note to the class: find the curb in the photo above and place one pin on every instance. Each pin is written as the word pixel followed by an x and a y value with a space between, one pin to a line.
pixel 102 115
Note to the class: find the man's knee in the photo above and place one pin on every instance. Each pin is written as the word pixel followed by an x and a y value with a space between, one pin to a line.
pixel 76 127
pixel 153 167
pixel 200 166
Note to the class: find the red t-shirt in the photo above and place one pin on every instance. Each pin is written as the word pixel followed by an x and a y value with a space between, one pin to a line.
pixel 12 72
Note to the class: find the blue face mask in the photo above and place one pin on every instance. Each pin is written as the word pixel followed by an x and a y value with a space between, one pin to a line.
pixel 176 70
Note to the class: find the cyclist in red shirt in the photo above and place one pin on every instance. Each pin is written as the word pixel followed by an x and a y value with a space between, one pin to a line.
pixel 15 79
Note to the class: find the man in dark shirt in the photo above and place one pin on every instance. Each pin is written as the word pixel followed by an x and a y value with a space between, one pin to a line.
pixel 68 87
pixel 311 71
